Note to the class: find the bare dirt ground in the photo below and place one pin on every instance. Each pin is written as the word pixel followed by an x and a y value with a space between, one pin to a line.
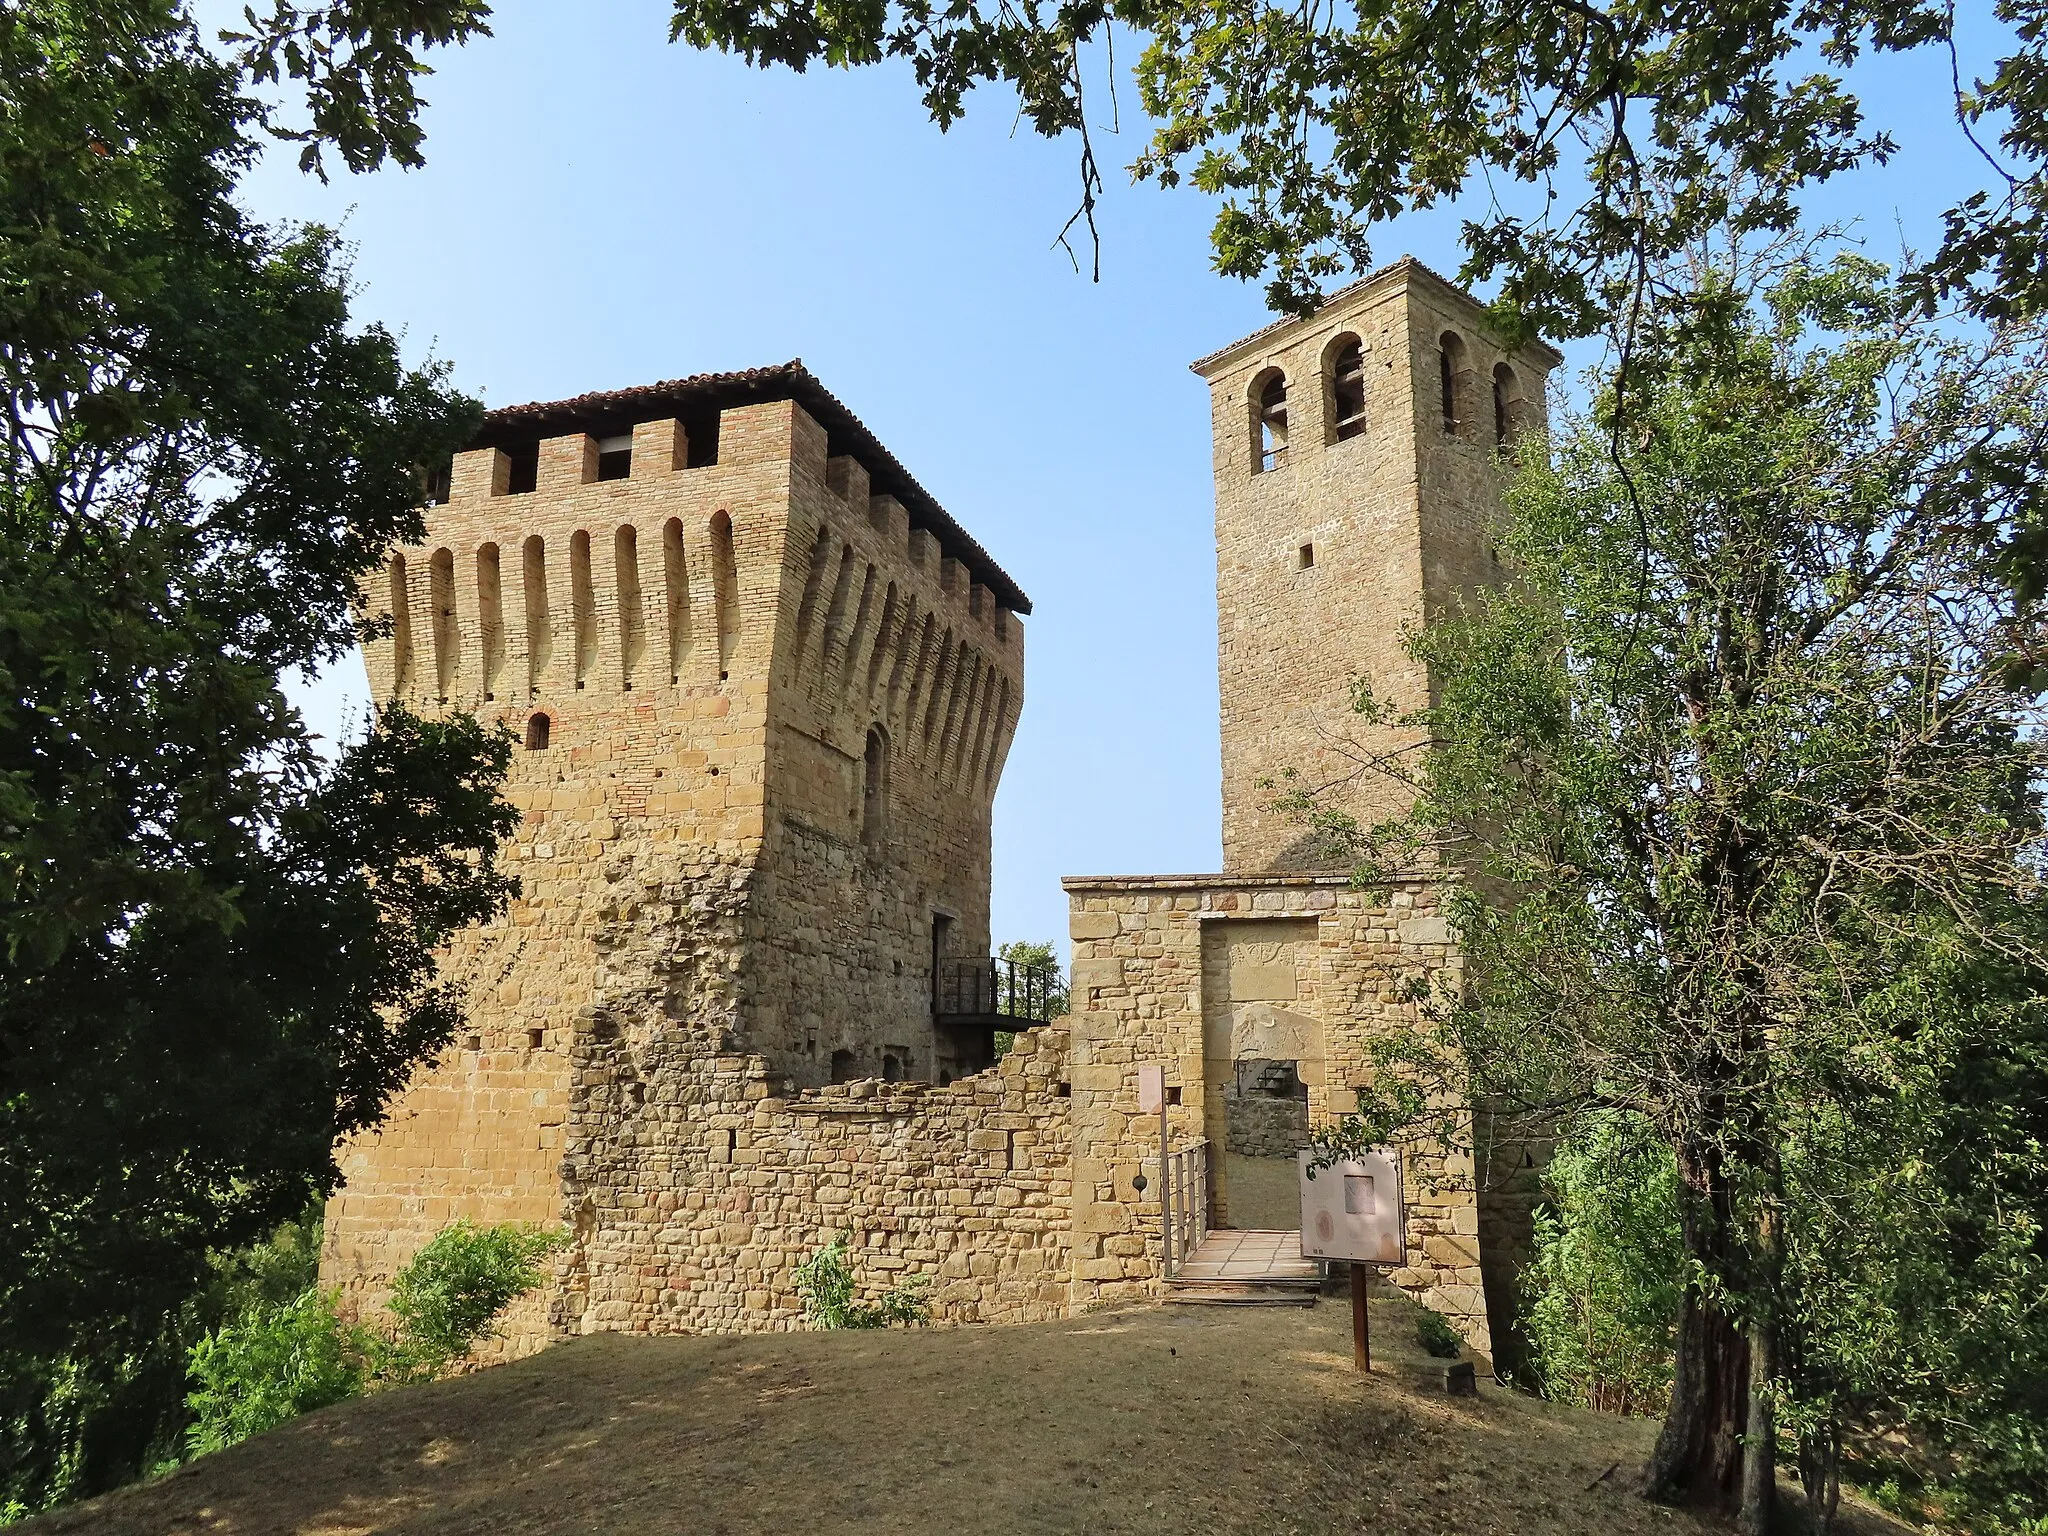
pixel 1195 1420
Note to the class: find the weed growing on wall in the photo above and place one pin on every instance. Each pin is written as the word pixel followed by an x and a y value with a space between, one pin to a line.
pixel 827 1285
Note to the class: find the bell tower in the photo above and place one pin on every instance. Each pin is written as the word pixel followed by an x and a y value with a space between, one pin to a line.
pixel 1357 468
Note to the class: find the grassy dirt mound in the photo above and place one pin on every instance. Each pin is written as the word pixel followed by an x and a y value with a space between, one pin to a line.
pixel 1143 1420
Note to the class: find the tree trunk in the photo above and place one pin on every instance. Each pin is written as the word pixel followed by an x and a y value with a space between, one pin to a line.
pixel 1760 1436
pixel 1698 1456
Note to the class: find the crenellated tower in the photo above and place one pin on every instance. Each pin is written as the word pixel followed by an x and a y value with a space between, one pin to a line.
pixel 763 686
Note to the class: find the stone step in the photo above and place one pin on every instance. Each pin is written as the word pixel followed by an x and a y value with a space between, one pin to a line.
pixel 1242 1293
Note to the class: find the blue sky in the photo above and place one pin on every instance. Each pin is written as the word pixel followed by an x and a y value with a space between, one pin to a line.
pixel 602 209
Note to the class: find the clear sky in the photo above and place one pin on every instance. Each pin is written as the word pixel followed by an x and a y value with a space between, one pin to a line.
pixel 601 209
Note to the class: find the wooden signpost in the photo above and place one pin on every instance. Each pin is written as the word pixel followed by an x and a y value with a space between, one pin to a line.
pixel 1355 1212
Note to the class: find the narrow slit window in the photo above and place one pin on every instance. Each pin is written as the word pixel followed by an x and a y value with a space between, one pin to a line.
pixel 1347 390
pixel 1305 557
pixel 615 457
pixel 874 791
pixel 1271 422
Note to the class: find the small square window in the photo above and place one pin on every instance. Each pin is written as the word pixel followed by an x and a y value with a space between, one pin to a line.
pixel 1305 557
pixel 1173 1095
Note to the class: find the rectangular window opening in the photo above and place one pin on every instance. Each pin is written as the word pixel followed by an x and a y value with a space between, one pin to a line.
pixel 615 457
pixel 701 436
pixel 1305 557
pixel 525 468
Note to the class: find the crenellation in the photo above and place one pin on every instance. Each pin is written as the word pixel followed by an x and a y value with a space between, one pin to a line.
pixel 479 474
pixel 660 447
pixel 566 463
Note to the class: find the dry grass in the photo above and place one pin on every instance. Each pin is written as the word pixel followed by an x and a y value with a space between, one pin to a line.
pixel 1144 1420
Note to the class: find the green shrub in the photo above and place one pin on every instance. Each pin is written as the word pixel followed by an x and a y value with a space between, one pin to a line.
pixel 1604 1288
pixel 1433 1331
pixel 826 1283
pixel 449 1297
pixel 282 1358
pixel 271 1364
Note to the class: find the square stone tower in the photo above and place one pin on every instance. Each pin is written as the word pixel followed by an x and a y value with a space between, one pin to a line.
pixel 763 687
pixel 1355 477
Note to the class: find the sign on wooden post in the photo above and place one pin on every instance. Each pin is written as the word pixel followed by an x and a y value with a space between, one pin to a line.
pixel 1355 1211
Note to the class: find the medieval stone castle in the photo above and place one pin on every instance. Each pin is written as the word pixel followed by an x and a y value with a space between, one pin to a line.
pixel 765 687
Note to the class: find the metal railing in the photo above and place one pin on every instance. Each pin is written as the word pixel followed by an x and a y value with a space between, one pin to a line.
pixel 990 988
pixel 1186 1202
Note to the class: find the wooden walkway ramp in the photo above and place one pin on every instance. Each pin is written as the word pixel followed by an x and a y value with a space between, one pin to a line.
pixel 1232 1268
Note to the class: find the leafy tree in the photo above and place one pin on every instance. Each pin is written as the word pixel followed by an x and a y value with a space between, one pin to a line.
pixel 271 1364
pixel 1753 729
pixel 1315 124
pixel 281 1356
pixel 216 949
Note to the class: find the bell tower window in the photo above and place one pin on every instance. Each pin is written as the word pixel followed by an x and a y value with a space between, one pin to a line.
pixel 1347 390
pixel 1269 421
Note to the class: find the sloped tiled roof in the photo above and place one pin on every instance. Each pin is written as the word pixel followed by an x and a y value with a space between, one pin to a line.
pixel 610 411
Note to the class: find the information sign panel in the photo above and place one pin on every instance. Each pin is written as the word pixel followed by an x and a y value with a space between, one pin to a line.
pixel 1151 1088
pixel 1353 1211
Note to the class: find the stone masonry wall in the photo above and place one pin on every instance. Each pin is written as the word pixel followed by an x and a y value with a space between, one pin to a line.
pixel 697 1195
pixel 1142 992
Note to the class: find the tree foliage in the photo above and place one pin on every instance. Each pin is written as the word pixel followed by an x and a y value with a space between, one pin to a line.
pixel 1603 1291
pixel 1750 740
pixel 1314 123
pixel 215 945
pixel 279 1356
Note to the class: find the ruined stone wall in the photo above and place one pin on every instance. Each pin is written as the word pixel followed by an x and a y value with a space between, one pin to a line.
pixel 1198 971
pixel 1328 558
pixel 701 1181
